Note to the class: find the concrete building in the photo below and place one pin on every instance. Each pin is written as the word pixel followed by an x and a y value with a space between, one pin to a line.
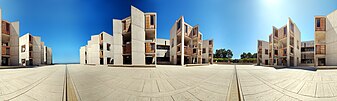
pixel 307 52
pixel 262 52
pixel 163 51
pixel 33 52
pixel 98 51
pixel 186 43
pixel 10 42
pixel 284 45
pixel 134 38
pixel 326 40
pixel 207 51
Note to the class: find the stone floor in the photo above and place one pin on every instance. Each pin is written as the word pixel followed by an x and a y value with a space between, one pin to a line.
pixel 166 83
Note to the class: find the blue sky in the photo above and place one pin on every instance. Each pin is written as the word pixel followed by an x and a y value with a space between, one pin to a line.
pixel 66 25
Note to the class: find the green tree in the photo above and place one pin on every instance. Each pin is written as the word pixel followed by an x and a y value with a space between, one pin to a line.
pixel 229 53
pixel 249 55
pixel 243 55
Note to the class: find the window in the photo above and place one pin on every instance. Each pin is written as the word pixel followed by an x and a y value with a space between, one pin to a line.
pixel 292 27
pixel 101 46
pixel 108 60
pixel 23 48
pixel 7 27
pixel 285 30
pixel 178 24
pixel 108 46
pixel 266 51
pixel 152 19
pixel 318 22
pixel 194 50
pixel 320 49
pixel 186 28
pixel 153 46
pixel 204 50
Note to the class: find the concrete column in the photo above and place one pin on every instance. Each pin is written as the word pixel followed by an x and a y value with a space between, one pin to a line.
pixel 117 42
pixel 137 36
pixel 14 43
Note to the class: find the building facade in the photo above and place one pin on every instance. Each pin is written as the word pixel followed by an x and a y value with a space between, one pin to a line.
pixel 284 45
pixel 98 50
pixel 186 43
pixel 326 40
pixel 133 42
pixel 262 52
pixel 207 51
pixel 135 38
pixel 307 52
pixel 33 52
pixel 9 42
pixel 163 51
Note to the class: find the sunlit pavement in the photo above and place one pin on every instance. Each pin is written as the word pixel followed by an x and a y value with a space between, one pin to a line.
pixel 269 84
pixel 165 83
pixel 27 84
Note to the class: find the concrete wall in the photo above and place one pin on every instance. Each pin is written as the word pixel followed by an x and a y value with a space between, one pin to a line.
pixel 331 38
pixel 83 57
pixel 14 43
pixel 49 56
pixel 137 37
pixel 42 53
pixel 24 40
pixel 93 50
pixel 36 50
pixel 205 55
pixel 107 39
pixel 117 42
pixel 297 43
pixel 173 44
pixel 265 56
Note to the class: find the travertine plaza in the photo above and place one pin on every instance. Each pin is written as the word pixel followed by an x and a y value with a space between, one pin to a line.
pixel 167 83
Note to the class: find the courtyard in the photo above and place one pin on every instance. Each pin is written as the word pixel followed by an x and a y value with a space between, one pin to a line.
pixel 166 83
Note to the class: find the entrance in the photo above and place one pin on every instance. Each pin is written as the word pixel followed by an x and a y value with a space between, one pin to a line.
pixel 321 61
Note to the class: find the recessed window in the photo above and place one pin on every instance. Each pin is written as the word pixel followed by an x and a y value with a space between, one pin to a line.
pixel 186 28
pixel 23 48
pixel 152 19
pixel 204 50
pixel 108 46
pixel 266 51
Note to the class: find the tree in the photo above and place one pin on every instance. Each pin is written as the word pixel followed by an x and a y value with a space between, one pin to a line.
pixel 254 55
pixel 243 55
pixel 249 55
pixel 229 53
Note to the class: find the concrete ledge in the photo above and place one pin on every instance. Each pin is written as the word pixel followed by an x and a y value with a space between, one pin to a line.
pixel 326 67
pixel 15 67
pixel 191 65
pixel 146 66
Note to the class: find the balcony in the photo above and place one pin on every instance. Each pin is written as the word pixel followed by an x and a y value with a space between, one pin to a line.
pixel 5 28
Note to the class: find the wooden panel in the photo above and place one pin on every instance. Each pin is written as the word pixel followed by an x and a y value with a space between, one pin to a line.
pixel 148 47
